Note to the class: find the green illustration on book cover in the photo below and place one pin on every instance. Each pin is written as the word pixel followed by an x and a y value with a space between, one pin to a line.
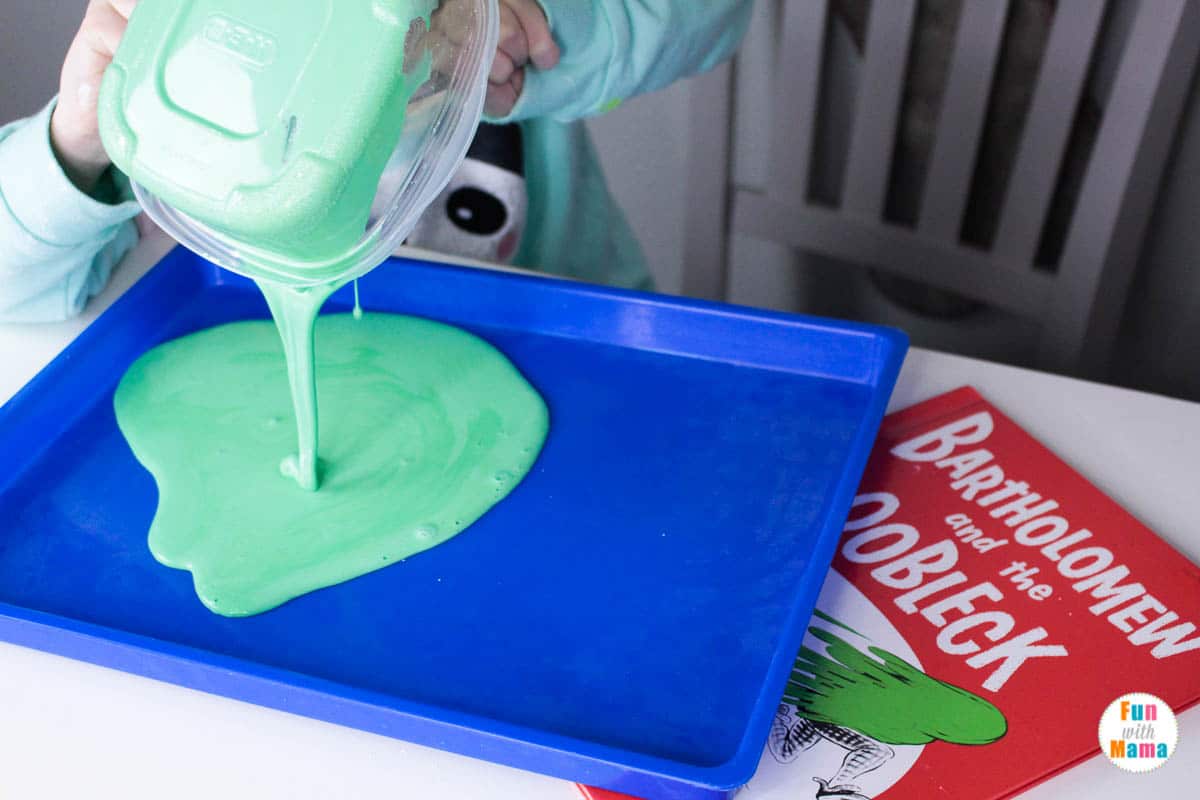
pixel 868 701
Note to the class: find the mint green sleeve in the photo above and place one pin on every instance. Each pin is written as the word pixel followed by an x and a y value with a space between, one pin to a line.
pixel 58 246
pixel 615 49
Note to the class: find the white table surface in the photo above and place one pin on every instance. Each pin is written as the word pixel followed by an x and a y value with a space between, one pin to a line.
pixel 73 730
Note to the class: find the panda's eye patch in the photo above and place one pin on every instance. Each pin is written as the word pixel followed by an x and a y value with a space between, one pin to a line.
pixel 476 211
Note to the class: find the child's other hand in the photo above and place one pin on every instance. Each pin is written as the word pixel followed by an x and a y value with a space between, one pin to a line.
pixel 74 130
pixel 524 39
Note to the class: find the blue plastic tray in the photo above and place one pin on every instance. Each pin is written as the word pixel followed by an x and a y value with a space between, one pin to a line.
pixel 627 618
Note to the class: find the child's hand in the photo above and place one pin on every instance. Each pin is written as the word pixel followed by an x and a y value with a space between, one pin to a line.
pixel 74 131
pixel 524 39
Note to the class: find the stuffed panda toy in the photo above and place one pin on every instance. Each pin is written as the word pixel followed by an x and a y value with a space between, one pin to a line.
pixel 482 211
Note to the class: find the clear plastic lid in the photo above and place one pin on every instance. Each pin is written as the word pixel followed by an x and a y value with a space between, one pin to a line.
pixel 299 146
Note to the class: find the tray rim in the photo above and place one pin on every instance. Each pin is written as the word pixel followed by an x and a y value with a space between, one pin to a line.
pixel 518 746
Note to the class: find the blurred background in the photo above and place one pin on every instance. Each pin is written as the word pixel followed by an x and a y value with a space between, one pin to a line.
pixel 1069 167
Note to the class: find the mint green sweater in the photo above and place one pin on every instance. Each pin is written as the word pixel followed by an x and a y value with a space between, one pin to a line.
pixel 58 246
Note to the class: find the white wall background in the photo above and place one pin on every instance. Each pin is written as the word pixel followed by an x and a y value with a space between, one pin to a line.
pixel 644 146
pixel 34 35
pixel 1160 343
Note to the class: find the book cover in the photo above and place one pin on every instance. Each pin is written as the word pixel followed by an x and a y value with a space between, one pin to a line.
pixel 985 605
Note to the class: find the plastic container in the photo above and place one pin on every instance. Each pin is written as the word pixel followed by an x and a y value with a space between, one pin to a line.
pixel 256 134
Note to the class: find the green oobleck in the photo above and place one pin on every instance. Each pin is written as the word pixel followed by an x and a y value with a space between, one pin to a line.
pixel 425 428
pixel 882 696
pixel 295 312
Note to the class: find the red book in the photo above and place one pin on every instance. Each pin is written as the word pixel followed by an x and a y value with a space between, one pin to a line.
pixel 985 606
